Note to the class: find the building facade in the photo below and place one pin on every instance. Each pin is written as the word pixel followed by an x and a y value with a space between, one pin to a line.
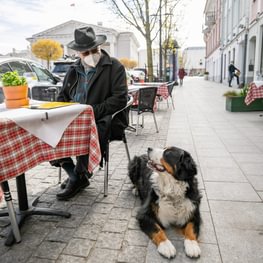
pixel 193 60
pixel 233 32
pixel 118 44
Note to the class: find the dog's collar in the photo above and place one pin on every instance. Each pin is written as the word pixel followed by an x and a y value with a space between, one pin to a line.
pixel 157 167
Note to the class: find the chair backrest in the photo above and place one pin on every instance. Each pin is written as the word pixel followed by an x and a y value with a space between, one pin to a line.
pixel 44 93
pixel 170 87
pixel 146 99
pixel 129 103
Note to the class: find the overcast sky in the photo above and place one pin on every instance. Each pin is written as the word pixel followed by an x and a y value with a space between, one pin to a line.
pixel 20 19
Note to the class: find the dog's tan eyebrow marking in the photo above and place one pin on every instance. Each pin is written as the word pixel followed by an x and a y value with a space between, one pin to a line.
pixel 158 237
pixel 167 166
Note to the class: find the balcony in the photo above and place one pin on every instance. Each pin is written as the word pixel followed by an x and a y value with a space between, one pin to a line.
pixel 210 19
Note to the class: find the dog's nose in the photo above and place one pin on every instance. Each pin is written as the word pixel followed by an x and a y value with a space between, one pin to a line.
pixel 149 150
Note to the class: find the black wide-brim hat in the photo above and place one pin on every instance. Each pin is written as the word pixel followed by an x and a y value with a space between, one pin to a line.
pixel 85 39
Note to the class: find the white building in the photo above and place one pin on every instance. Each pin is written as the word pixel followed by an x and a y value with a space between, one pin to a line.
pixel 118 44
pixel 194 60
pixel 234 32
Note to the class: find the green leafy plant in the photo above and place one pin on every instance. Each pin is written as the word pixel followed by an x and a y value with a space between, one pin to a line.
pixel 233 93
pixel 11 78
pixel 206 73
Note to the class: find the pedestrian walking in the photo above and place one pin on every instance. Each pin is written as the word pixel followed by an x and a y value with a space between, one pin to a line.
pixel 233 72
pixel 181 74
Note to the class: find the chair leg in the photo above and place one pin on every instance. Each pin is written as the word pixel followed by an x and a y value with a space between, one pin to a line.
pixel 137 124
pixel 106 170
pixel 11 211
pixel 131 117
pixel 59 175
pixel 126 147
pixel 172 101
pixel 155 122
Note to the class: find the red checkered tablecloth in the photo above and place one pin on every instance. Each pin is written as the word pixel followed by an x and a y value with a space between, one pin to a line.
pixel 21 151
pixel 163 91
pixel 254 92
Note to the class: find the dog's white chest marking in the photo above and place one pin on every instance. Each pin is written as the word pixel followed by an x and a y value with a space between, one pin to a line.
pixel 174 208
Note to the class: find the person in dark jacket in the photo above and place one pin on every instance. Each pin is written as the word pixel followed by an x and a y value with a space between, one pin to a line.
pixel 100 81
pixel 233 72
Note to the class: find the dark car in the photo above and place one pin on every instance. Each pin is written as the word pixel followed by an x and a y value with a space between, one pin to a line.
pixel 38 77
pixel 61 67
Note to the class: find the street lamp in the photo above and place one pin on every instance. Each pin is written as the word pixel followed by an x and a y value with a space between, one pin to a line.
pixel 160 45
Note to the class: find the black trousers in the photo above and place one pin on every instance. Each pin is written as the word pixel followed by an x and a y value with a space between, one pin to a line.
pixel 81 166
pixel 231 76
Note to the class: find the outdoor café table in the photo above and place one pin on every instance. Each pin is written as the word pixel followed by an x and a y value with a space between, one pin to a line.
pixel 255 91
pixel 162 89
pixel 29 137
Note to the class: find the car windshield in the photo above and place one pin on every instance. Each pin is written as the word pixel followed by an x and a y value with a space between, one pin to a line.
pixel 60 68
pixel 42 73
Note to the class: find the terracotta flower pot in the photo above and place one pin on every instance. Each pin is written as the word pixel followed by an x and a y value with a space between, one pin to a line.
pixel 12 104
pixel 16 96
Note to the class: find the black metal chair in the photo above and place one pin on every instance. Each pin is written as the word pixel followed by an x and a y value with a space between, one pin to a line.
pixel 107 153
pixel 146 104
pixel 170 87
pixel 44 93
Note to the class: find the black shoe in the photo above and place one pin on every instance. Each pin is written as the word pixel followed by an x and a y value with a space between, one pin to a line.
pixel 72 188
pixel 63 184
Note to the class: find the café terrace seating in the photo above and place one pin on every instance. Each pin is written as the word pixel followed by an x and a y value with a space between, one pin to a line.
pixel 145 104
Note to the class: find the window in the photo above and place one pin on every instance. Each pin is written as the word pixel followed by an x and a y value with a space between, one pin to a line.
pixel 42 73
pixel 20 66
pixel 4 68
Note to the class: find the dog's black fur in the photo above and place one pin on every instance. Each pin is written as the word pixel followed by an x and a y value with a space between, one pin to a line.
pixel 169 166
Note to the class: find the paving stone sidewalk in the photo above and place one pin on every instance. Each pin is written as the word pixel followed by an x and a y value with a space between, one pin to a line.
pixel 228 148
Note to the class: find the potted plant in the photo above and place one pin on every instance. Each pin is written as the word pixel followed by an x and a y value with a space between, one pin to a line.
pixel 235 101
pixel 15 89
pixel 206 75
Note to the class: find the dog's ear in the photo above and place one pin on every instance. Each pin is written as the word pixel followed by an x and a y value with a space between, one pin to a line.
pixel 136 167
pixel 189 164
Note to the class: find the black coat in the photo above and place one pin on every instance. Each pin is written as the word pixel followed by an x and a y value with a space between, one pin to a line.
pixel 108 93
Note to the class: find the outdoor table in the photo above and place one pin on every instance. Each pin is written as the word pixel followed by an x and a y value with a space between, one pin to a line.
pixel 21 150
pixel 162 89
pixel 255 91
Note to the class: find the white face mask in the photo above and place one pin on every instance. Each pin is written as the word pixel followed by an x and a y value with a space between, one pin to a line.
pixel 92 59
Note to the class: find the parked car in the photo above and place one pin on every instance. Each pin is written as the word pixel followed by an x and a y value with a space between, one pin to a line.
pixel 36 74
pixel 144 70
pixel 61 67
pixel 137 75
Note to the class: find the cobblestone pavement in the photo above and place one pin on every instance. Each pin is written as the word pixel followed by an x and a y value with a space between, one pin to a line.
pixel 228 148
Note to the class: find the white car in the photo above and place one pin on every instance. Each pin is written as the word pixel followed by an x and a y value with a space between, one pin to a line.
pixel 137 75
pixel 38 77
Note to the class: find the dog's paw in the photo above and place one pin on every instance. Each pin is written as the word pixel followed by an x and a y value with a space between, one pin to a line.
pixel 192 248
pixel 167 249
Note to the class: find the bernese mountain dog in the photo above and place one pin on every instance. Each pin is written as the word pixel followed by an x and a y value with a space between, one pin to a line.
pixel 165 180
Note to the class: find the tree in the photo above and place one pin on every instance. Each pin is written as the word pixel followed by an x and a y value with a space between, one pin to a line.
pixel 47 49
pixel 128 63
pixel 143 15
